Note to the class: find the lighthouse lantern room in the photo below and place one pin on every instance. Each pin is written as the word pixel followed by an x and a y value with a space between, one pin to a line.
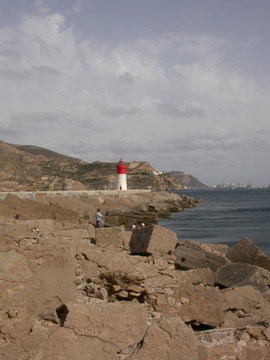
pixel 121 175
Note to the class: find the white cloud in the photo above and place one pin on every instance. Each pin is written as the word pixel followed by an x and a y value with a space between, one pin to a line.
pixel 172 100
pixel 41 8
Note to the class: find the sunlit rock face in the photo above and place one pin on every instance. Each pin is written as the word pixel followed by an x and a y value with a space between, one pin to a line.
pixel 71 291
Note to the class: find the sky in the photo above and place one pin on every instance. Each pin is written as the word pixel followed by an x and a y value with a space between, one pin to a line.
pixel 182 84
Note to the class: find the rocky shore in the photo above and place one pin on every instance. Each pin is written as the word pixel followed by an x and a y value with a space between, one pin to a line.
pixel 71 291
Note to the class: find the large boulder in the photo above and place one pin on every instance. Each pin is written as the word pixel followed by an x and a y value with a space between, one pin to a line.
pixel 107 258
pixel 194 255
pixel 66 344
pixel 246 252
pixel 169 339
pixel 190 295
pixel 201 306
pixel 110 236
pixel 44 274
pixel 244 306
pixel 29 228
pixel 152 239
pixel 238 273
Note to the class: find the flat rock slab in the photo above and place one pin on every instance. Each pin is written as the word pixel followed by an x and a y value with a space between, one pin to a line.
pixel 192 255
pixel 170 339
pixel 14 267
pixel 64 343
pixel 110 236
pixel 122 323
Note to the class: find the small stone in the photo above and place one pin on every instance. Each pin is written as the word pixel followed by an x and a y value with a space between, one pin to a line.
pixel 51 316
pixel 102 294
pixel 135 288
pixel 116 288
pixel 11 313
pixel 123 294
pixel 184 300
pixel 80 286
pixel 169 291
pixel 90 289
pixel 267 333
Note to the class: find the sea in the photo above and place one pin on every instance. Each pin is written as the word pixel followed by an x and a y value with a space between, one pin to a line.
pixel 224 217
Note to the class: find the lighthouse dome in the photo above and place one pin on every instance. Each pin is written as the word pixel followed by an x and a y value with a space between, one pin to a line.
pixel 121 167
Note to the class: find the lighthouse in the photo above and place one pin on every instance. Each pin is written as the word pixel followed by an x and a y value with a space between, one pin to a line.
pixel 121 175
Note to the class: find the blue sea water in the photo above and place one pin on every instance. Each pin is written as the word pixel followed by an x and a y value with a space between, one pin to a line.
pixel 225 217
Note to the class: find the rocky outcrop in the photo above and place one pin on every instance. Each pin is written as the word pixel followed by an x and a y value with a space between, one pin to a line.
pixel 70 291
pixel 187 181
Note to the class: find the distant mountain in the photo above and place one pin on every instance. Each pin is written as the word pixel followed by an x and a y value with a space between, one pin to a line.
pixel 30 168
pixel 187 181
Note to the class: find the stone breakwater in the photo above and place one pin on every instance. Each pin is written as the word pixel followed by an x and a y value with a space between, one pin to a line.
pixel 70 291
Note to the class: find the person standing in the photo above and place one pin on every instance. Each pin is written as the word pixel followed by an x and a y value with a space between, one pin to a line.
pixel 99 217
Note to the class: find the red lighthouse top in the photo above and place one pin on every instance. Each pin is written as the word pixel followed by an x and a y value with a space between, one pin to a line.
pixel 121 167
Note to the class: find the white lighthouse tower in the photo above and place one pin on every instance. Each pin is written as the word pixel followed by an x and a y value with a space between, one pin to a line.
pixel 121 175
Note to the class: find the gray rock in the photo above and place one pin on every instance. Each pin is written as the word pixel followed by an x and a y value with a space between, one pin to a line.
pixel 193 255
pixel 246 252
pixel 233 274
pixel 225 344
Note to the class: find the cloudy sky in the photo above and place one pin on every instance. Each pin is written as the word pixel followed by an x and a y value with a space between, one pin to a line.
pixel 182 84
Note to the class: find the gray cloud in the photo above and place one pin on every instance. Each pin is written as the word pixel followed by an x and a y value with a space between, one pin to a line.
pixel 9 134
pixel 46 71
pixel 127 77
pixel 14 75
pixel 39 121
pixel 8 54
pixel 209 141
pixel 174 110
pixel 36 72
pixel 112 110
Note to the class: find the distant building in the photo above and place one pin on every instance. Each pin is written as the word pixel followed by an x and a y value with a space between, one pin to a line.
pixel 231 186
pixel 158 172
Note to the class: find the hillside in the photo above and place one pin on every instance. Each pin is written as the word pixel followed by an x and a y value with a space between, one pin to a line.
pixel 30 168
pixel 187 181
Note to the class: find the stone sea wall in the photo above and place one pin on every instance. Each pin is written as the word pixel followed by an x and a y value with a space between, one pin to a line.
pixel 71 291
